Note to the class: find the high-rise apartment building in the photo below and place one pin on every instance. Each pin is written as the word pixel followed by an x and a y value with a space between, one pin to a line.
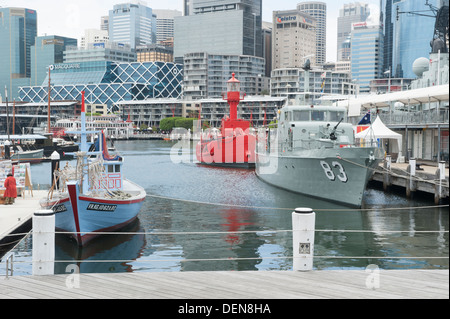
pixel 230 27
pixel 350 13
pixel 165 24
pixel 206 75
pixel 46 51
pixel 293 39
pixel 318 10
pixel 367 54
pixel 133 23
pixel 18 30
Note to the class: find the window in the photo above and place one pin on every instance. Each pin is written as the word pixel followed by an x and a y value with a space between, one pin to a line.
pixel 301 116
pixel 317 115
pixel 335 116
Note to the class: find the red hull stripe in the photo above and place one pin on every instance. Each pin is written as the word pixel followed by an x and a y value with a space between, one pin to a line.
pixel 73 199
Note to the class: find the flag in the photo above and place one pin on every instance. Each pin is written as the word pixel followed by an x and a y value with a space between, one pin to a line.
pixel 323 75
pixel 365 119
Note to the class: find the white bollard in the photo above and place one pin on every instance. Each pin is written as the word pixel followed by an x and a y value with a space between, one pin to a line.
pixel 412 163
pixel 442 170
pixel 303 226
pixel 43 243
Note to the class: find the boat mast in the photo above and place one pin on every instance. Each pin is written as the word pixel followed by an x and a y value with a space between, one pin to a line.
pixel 48 106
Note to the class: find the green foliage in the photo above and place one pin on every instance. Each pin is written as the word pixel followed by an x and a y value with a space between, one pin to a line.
pixel 186 123
pixel 168 123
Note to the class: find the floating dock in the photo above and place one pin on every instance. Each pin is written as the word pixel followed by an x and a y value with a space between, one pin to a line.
pixel 424 178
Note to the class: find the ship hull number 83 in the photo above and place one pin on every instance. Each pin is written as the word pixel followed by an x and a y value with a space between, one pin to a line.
pixel 334 170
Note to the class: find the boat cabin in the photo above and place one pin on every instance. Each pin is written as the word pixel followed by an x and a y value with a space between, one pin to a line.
pixel 111 177
pixel 314 126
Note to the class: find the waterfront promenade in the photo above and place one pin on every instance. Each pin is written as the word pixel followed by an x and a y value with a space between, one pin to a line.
pixel 316 284
pixel 13 217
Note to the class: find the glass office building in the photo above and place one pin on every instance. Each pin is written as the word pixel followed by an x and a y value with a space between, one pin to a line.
pixel 232 27
pixel 132 23
pixel 107 82
pixel 47 50
pixel 366 53
pixel 18 30
pixel 412 34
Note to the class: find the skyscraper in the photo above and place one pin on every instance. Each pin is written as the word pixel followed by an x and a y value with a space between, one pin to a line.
pixel 293 39
pixel 230 27
pixel 164 23
pixel 18 29
pixel 47 50
pixel 367 53
pixel 133 23
pixel 387 19
pixel 318 10
pixel 412 35
pixel 350 13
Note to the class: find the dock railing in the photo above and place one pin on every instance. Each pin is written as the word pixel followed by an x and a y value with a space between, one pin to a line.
pixel 302 236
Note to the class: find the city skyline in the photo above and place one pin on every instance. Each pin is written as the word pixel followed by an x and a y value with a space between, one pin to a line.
pixel 73 18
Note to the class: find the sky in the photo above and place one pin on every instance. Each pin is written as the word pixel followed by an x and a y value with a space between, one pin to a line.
pixel 70 18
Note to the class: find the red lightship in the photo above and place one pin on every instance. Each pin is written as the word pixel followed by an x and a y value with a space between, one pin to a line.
pixel 235 145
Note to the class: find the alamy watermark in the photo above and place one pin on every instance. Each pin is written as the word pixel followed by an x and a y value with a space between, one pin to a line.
pixel 373 277
pixel 209 146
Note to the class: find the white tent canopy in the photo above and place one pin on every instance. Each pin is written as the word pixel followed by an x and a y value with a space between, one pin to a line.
pixel 379 130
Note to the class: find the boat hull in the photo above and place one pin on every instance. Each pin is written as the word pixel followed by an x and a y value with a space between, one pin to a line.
pixel 337 175
pixel 33 156
pixel 236 152
pixel 85 218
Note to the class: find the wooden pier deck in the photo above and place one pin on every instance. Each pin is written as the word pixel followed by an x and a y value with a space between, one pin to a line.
pixel 317 284
pixel 426 180
pixel 17 216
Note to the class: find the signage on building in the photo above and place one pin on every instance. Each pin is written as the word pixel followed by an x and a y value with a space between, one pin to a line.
pixel 52 41
pixel 306 20
pixel 359 25
pixel 65 66
pixel 286 19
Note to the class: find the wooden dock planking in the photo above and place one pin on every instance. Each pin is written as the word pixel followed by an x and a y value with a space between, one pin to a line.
pixel 426 180
pixel 318 284
pixel 12 217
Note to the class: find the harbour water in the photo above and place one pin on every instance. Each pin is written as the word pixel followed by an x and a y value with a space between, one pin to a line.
pixel 190 214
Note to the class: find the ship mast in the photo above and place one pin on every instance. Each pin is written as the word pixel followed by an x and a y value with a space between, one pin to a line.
pixel 48 106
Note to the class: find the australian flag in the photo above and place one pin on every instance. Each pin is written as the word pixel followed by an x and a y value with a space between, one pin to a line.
pixel 365 119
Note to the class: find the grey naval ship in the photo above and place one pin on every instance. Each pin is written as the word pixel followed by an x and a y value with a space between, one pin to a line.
pixel 313 152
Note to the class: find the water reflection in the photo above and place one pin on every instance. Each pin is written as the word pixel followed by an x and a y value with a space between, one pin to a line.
pixel 245 203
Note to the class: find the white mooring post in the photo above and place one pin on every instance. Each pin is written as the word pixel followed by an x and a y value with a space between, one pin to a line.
pixel 43 242
pixel 303 229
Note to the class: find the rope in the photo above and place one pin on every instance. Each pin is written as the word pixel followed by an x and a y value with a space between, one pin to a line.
pixel 159 233
pixel 230 259
pixel 293 209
